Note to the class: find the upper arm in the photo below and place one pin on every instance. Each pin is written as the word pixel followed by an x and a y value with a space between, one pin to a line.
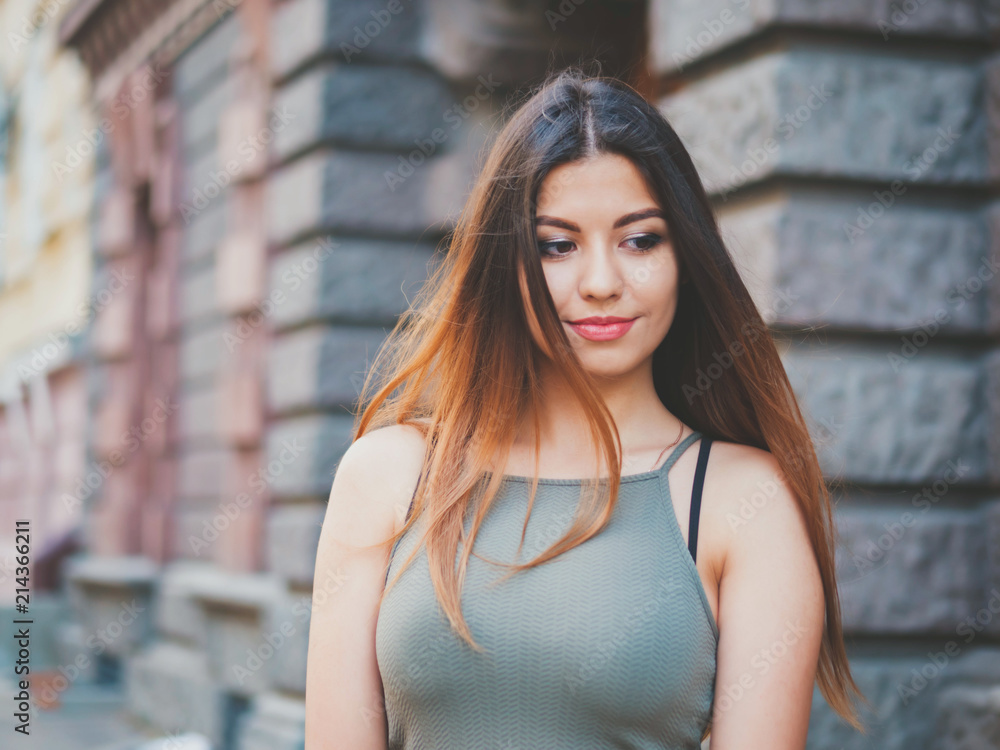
pixel 344 699
pixel 771 597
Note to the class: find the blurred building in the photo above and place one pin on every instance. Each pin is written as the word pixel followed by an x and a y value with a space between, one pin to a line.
pixel 47 306
pixel 242 195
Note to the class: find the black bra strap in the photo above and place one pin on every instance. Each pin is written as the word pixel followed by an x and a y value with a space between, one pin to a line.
pixel 699 480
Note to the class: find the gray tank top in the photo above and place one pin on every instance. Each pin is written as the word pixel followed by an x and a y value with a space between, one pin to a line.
pixel 610 645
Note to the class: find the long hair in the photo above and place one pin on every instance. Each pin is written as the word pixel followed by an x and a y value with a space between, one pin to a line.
pixel 462 363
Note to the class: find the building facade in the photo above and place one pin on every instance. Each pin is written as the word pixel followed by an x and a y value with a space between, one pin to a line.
pixel 268 184
pixel 47 307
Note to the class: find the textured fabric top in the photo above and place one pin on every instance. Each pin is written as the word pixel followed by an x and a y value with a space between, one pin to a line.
pixel 610 645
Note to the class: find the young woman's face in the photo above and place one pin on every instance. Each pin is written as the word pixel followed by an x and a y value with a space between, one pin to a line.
pixel 606 253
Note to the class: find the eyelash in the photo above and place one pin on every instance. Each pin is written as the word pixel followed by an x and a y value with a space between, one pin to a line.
pixel 655 238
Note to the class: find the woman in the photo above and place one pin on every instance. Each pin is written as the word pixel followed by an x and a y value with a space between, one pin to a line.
pixel 586 299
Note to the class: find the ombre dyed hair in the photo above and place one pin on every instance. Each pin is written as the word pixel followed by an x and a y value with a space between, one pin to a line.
pixel 462 364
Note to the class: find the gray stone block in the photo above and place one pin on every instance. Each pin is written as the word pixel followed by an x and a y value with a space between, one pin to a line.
pixel 291 617
pixel 189 527
pixel 206 182
pixel 347 279
pixel 113 600
pixel 178 615
pixel 319 366
pixel 798 112
pixel 200 119
pixel 685 32
pixel 197 295
pixel 202 351
pixel 75 655
pixel 168 685
pixel 991 363
pixel 365 193
pixel 235 607
pixel 295 199
pixel 811 257
pixel 304 452
pixel 205 62
pixel 349 32
pixel 292 540
pixel 969 718
pixel 920 568
pixel 908 692
pixel 48 610
pixel 274 722
pixel 198 424
pixel 873 424
pixel 991 522
pixel 359 106
pixel 201 472
pixel 203 232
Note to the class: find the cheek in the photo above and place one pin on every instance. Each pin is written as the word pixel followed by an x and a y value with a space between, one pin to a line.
pixel 655 285
pixel 560 285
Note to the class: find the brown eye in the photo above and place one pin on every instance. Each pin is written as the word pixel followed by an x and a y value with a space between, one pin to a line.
pixel 543 247
pixel 647 241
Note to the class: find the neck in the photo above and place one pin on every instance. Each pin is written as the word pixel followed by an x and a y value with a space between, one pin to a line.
pixel 641 418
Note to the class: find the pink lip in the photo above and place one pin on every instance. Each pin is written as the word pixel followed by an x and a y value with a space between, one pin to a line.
pixel 603 331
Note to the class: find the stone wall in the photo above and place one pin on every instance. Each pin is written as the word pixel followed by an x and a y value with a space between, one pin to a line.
pixel 851 152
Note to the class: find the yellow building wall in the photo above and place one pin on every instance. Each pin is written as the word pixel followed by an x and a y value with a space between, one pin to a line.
pixel 45 259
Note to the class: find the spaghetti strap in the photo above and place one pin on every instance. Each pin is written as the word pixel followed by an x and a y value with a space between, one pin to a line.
pixel 699 480
pixel 676 453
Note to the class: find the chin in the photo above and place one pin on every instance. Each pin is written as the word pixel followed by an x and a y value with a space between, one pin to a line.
pixel 606 369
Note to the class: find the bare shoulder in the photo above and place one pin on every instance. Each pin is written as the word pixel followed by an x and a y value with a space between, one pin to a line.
pixel 375 476
pixel 748 501
pixel 396 445
pixel 378 473
pixel 771 588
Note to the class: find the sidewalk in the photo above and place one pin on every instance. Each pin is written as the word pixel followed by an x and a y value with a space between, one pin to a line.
pixel 90 717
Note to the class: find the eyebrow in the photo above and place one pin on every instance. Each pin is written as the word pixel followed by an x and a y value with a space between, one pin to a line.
pixel 631 218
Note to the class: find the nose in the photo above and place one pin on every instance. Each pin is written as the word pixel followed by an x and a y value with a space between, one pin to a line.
pixel 601 277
